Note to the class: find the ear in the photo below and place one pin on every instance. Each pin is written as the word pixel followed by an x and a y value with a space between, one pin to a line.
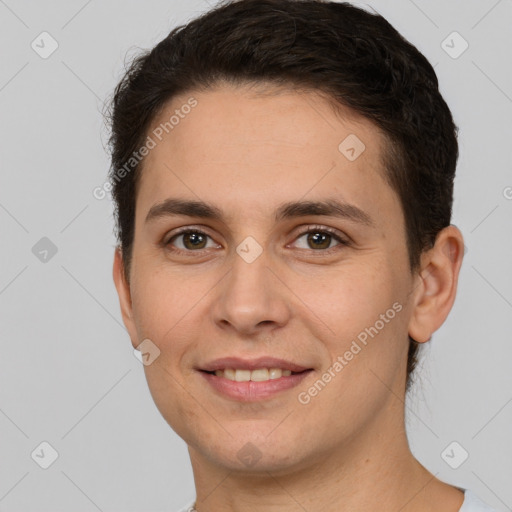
pixel 436 284
pixel 125 299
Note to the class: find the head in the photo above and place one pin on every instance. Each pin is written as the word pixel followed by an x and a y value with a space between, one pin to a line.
pixel 259 103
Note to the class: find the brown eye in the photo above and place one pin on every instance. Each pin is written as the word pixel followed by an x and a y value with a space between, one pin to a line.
pixel 191 240
pixel 321 239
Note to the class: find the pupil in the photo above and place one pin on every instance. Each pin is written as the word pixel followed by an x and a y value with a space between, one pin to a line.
pixel 317 236
pixel 190 237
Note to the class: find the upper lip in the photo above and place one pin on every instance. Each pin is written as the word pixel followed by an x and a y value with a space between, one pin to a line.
pixel 252 364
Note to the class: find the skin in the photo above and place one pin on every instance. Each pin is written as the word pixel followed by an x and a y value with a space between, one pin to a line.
pixel 248 150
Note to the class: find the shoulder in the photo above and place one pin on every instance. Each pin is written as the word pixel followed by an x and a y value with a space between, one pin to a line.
pixel 472 503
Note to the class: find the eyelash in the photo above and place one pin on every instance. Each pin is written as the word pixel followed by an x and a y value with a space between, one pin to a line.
pixel 311 229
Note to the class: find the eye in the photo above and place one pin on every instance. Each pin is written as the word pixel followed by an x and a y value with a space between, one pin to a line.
pixel 192 240
pixel 320 238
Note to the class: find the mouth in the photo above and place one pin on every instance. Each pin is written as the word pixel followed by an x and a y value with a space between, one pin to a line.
pixel 257 375
pixel 249 381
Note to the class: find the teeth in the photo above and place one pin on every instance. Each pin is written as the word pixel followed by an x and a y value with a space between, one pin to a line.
pixel 258 375
pixel 275 373
pixel 242 375
pixel 229 373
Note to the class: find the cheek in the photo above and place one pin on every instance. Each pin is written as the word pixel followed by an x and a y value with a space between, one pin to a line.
pixel 164 306
pixel 160 300
pixel 367 352
pixel 351 297
pixel 171 309
pixel 169 394
pixel 363 310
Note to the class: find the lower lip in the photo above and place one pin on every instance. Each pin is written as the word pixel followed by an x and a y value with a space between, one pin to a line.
pixel 251 391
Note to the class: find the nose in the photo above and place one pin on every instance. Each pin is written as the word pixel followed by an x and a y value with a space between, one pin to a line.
pixel 251 299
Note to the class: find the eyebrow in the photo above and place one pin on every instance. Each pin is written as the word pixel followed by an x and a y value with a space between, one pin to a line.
pixel 328 208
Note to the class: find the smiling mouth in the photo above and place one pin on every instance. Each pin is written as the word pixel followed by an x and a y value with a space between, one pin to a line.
pixel 257 375
pixel 253 385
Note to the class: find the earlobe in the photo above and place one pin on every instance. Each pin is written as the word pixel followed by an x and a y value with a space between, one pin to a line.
pixel 124 294
pixel 437 287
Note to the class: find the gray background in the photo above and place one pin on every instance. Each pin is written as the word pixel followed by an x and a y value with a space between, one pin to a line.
pixel 68 373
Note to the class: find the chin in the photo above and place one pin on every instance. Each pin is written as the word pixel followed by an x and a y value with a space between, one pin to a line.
pixel 252 451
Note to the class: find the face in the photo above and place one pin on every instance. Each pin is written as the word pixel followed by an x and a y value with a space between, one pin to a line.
pixel 269 271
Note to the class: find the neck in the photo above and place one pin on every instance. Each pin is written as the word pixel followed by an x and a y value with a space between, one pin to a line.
pixel 373 470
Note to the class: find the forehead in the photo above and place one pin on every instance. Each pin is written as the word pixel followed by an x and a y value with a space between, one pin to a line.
pixel 261 146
